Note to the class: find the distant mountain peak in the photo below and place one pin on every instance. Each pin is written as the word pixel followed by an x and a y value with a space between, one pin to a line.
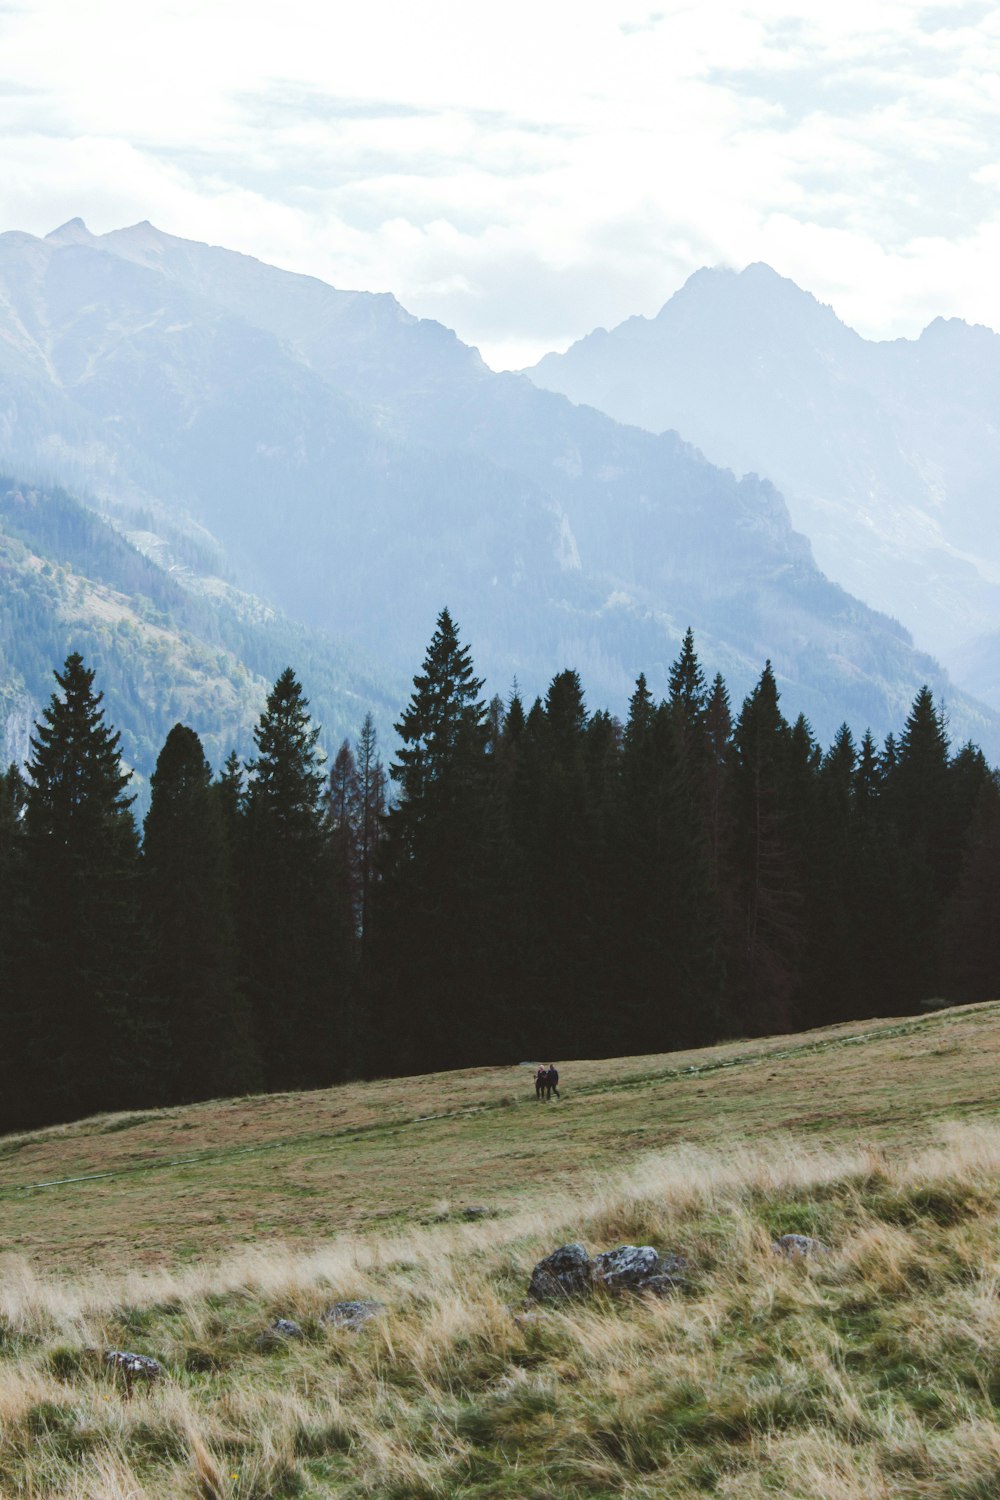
pixel 759 270
pixel 757 280
pixel 73 232
pixel 957 331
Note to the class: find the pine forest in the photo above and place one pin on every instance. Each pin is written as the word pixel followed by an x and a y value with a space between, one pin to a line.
pixel 523 880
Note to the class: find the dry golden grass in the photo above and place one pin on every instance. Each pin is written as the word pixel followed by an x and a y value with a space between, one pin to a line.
pixel 873 1372
pixel 870 1372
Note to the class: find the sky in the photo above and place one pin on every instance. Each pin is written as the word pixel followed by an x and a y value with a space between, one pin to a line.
pixel 526 172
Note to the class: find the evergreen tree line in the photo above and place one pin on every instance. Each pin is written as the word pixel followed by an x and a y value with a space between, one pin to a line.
pixel 542 880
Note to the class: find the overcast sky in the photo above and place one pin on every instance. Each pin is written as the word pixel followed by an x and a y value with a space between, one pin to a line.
pixel 528 171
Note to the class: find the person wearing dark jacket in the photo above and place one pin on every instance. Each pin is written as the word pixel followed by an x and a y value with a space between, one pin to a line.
pixel 551 1081
pixel 540 1078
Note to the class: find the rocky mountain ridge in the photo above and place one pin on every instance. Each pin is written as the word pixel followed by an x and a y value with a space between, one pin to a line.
pixel 887 453
pixel 358 468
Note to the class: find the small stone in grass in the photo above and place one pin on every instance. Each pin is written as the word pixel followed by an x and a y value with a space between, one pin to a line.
pixel 353 1314
pixel 286 1329
pixel 280 1330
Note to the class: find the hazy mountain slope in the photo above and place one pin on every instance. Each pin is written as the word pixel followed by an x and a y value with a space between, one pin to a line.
pixel 313 502
pixel 360 468
pixel 201 652
pixel 888 453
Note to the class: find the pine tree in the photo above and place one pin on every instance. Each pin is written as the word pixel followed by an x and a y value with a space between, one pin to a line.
pixel 643 1007
pixel 641 710
pixel 12 797
pixel 971 928
pixel 297 933
pixel 343 812
pixel 718 733
pixel 13 794
pixel 373 807
pixel 441 730
pixel 867 775
pixel 187 900
pixel 916 806
pixel 919 778
pixel 229 794
pixel 433 919
pixel 513 725
pixel 687 693
pixel 87 1040
pixel 829 836
pixel 560 855
pixel 767 865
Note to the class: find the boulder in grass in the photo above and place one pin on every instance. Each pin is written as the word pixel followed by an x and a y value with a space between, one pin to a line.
pixel 638 1268
pixel 796 1246
pixel 625 1269
pixel 353 1314
pixel 570 1272
pixel 567 1272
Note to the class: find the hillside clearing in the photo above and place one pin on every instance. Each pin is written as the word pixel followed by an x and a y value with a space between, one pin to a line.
pixel 170 1186
pixel 867 1374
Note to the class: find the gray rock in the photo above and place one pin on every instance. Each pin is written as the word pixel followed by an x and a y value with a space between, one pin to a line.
pixel 625 1269
pixel 353 1314
pixel 477 1211
pixel 566 1272
pixel 569 1272
pixel 280 1329
pixel 791 1246
pixel 639 1268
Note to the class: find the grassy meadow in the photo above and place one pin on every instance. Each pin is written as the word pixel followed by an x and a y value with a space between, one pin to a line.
pixel 870 1372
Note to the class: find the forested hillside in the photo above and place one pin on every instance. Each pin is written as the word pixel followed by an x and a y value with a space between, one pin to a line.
pixel 168 645
pixel 547 879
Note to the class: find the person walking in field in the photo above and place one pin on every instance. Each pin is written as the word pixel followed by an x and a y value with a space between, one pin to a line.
pixel 540 1078
pixel 551 1081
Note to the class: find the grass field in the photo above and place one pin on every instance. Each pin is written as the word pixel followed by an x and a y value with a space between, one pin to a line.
pixel 872 1372
pixel 182 1184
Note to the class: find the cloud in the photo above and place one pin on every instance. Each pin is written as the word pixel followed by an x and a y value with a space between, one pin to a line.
pixel 527 173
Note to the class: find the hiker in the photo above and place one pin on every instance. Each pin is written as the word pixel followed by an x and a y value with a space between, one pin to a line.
pixel 551 1081
pixel 540 1078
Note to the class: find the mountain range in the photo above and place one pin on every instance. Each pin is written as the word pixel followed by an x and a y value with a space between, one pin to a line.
pixel 888 453
pixel 343 469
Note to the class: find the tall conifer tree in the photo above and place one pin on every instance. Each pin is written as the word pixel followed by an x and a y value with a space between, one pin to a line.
pixel 187 897
pixel 372 810
pixel 297 934
pixel 12 795
pixel 433 921
pixel 87 1037
pixel 767 867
